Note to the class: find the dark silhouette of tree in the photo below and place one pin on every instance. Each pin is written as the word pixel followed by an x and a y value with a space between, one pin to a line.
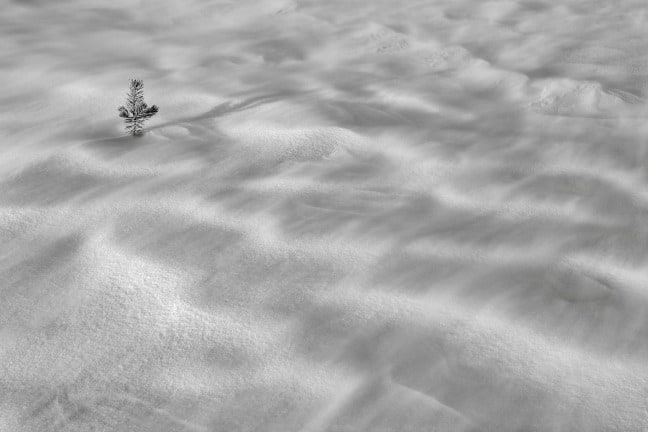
pixel 136 111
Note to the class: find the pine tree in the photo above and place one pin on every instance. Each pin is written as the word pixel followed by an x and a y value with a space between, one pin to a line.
pixel 136 110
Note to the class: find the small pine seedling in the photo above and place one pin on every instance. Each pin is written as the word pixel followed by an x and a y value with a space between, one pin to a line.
pixel 136 111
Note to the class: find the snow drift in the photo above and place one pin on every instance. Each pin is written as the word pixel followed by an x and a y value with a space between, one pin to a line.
pixel 347 216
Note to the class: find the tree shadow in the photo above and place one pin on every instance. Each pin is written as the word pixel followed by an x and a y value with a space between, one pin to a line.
pixel 226 108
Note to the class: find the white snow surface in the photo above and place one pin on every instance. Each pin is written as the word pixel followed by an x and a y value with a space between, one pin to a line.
pixel 348 215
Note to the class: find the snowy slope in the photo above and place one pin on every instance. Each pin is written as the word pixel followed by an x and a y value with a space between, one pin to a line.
pixel 347 216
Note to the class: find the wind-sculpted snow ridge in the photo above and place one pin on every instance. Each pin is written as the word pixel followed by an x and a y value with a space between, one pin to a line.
pixel 347 216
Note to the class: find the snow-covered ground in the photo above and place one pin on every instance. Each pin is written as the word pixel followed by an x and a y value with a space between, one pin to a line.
pixel 349 215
